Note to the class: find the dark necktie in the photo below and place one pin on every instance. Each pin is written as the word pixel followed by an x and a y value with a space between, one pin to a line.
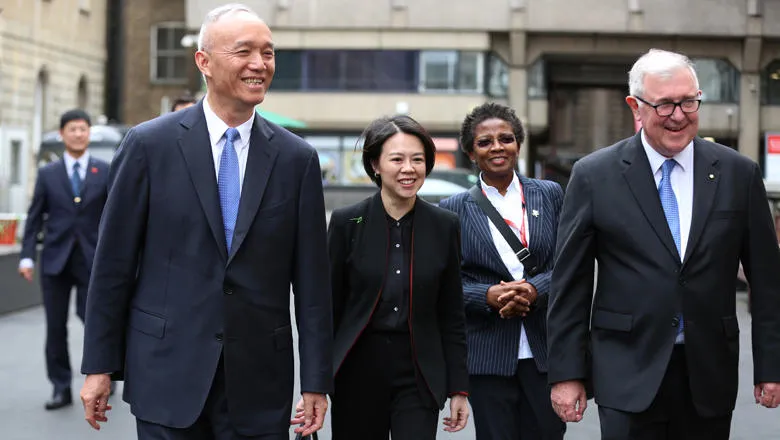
pixel 75 180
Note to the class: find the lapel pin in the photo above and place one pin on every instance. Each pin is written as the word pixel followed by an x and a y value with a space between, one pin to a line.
pixel 711 176
pixel 535 213
pixel 94 170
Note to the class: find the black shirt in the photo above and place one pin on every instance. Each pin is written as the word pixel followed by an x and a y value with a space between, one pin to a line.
pixel 392 312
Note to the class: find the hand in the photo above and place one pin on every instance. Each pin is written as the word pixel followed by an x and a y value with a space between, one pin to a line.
pixel 298 417
pixel 26 273
pixel 569 400
pixel 94 397
pixel 499 295
pixel 514 308
pixel 459 414
pixel 767 394
pixel 314 408
pixel 523 289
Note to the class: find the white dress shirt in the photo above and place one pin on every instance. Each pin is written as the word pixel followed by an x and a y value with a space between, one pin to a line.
pixel 83 161
pixel 510 206
pixel 217 128
pixel 682 184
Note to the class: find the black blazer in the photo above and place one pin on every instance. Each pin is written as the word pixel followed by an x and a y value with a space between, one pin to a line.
pixel 358 243
pixel 166 300
pixel 68 223
pixel 612 213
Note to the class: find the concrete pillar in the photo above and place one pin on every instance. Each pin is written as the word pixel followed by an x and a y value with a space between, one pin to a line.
pixel 750 98
pixel 518 92
pixel 750 114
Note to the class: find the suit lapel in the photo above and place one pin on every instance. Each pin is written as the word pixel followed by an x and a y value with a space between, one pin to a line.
pixel 423 250
pixel 196 147
pixel 374 240
pixel 642 185
pixel 259 163
pixel 705 185
pixel 88 184
pixel 480 223
pixel 65 179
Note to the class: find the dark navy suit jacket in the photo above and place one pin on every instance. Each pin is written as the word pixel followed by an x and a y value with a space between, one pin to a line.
pixel 166 300
pixel 493 342
pixel 67 223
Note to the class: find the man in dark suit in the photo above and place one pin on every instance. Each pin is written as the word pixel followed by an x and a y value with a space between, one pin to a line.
pixel 190 296
pixel 67 204
pixel 668 216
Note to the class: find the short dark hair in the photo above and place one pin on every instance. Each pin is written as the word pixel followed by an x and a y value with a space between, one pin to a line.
pixel 183 99
pixel 382 129
pixel 489 110
pixel 74 115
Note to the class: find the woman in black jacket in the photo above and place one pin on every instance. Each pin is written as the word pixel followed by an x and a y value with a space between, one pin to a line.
pixel 400 344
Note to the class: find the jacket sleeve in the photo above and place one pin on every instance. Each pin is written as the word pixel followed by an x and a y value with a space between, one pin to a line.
pixel 452 318
pixel 120 243
pixel 311 285
pixel 541 281
pixel 571 291
pixel 761 258
pixel 34 223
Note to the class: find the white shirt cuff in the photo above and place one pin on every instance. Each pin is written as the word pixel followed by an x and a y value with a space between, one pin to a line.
pixel 26 263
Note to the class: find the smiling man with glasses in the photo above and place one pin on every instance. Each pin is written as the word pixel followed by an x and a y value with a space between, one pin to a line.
pixel 668 216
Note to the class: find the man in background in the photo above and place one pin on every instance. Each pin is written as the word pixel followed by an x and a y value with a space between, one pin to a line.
pixel 67 204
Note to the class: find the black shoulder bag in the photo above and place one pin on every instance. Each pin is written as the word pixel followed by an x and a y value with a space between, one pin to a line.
pixel 530 264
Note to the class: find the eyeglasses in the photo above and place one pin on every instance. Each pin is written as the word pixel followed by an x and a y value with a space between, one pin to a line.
pixel 667 108
pixel 503 139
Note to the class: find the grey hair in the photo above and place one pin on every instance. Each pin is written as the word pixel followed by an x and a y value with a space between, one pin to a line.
pixel 657 62
pixel 215 15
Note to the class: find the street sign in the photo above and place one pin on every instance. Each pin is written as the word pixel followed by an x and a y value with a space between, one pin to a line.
pixel 772 157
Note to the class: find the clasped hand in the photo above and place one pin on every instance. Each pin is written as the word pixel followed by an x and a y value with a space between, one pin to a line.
pixel 512 299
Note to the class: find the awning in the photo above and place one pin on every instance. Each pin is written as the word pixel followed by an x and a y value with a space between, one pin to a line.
pixel 278 119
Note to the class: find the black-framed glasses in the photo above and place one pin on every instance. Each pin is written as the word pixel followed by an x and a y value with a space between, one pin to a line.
pixel 667 108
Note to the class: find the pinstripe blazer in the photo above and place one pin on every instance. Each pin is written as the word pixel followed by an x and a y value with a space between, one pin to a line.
pixel 493 342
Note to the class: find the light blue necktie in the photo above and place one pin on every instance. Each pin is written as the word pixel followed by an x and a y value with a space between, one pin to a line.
pixel 229 185
pixel 75 179
pixel 669 203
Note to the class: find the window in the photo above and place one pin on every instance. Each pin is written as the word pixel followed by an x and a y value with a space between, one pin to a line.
pixel 384 70
pixel 169 58
pixel 288 73
pixel 498 77
pixel 341 159
pixel 451 71
pixel 771 83
pixel 537 81
pixel 718 80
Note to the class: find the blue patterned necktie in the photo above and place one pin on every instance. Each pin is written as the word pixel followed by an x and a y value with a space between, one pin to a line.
pixel 669 203
pixel 229 185
pixel 75 179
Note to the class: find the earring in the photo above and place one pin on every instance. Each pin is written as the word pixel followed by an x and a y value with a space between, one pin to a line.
pixel 376 174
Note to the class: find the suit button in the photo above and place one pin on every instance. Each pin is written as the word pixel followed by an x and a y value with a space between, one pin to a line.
pixel 675 321
pixel 682 281
pixel 218 337
pixel 227 291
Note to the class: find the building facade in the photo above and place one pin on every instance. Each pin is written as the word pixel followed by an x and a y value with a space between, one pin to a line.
pixel 561 64
pixel 52 58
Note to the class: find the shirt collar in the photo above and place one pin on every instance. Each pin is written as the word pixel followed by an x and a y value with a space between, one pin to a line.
pixel 217 126
pixel 83 161
pixel 684 158
pixel 514 186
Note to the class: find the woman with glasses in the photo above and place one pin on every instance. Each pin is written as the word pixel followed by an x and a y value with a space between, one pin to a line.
pixel 506 280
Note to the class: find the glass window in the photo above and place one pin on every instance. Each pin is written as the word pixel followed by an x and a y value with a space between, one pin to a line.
pixel 386 70
pixel 451 71
pixel 169 58
pixel 498 77
pixel 289 69
pixel 718 80
pixel 537 81
pixel 771 83
pixel 437 70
